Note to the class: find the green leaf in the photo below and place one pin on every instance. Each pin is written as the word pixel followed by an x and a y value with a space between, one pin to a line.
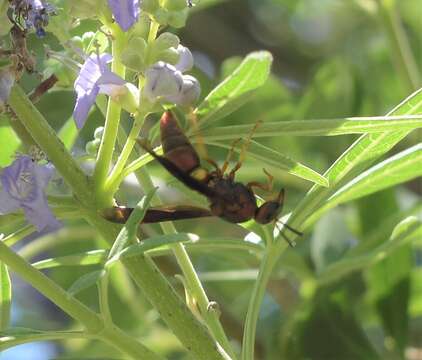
pixel 5 296
pixel 236 89
pixel 397 169
pixel 150 243
pixel 354 160
pixel 18 335
pixel 68 133
pixel 9 144
pixel 87 258
pixel 316 127
pixel 128 233
pixel 405 232
pixel 415 306
pixel 204 245
pixel 273 158
pixel 86 281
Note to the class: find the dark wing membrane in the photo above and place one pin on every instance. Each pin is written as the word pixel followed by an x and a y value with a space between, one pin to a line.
pixel 185 178
pixel 120 214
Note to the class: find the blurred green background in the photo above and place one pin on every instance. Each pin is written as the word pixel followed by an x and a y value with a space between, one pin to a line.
pixel 332 58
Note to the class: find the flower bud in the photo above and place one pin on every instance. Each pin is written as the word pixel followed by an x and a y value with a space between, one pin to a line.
pixel 185 62
pixel 189 93
pixel 170 56
pixel 162 80
pixel 177 19
pixel 166 40
pixel 92 147
pixel 134 54
pixel 98 133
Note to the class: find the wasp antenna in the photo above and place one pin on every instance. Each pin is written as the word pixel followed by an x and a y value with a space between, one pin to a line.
pixel 291 243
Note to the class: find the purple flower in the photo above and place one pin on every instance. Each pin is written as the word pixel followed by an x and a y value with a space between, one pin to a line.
pixel 23 187
pixel 126 12
pixel 35 13
pixel 87 85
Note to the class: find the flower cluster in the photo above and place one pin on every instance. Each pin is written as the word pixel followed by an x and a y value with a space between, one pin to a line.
pixel 36 14
pixel 164 82
pixel 23 187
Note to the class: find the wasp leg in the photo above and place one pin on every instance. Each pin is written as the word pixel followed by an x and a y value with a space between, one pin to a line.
pixel 229 156
pixel 266 187
pixel 242 154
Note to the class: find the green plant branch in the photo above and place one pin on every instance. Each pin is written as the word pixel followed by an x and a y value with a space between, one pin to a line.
pixel 191 277
pixel 124 155
pixel 77 310
pixel 9 338
pixel 108 140
pixel 401 51
pixel 266 267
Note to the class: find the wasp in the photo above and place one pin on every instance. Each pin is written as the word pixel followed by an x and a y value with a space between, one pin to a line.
pixel 228 199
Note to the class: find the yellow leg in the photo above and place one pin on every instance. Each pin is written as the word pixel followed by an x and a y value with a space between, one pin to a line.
pixel 242 154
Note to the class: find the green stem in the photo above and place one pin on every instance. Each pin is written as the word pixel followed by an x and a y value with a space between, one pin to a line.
pixel 80 312
pixel 17 236
pixel 194 284
pixel 258 292
pixel 14 340
pixel 126 151
pixel 106 149
pixel 401 51
pixel 103 300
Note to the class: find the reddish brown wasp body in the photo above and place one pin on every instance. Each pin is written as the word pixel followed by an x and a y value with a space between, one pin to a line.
pixel 230 200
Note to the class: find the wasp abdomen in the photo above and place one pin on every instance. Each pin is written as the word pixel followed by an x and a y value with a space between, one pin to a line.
pixel 176 145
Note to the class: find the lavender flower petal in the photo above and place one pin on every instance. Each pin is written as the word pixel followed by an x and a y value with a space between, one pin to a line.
pixel 93 72
pixel 23 186
pixel 185 62
pixel 162 80
pixel 126 12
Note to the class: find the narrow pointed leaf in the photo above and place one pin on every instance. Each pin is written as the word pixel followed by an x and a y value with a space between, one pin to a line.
pixel 5 296
pixel 236 89
pixel 87 258
pixel 17 335
pixel 86 281
pixel 397 169
pixel 317 127
pixel 128 233
pixel 273 158
pixel 151 243
pixel 354 160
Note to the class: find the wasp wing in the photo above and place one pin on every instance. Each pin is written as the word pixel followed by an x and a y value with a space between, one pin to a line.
pixel 120 214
